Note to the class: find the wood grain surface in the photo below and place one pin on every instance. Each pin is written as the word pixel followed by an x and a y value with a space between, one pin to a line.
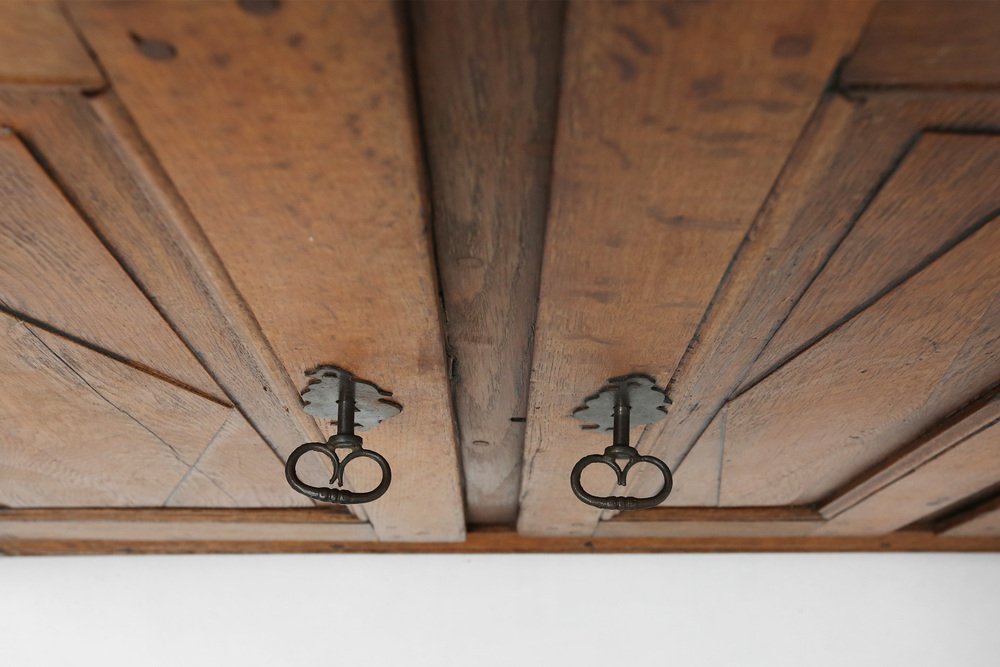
pixel 969 467
pixel 652 195
pixel 982 521
pixel 942 436
pixel 492 540
pixel 38 47
pixel 932 43
pixel 871 386
pixel 56 271
pixel 298 158
pixel 851 150
pixel 236 469
pixel 488 128
pixel 71 440
pixel 947 185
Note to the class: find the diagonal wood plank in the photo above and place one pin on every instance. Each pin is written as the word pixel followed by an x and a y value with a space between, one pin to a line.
pixel 870 387
pixel 943 436
pixel 947 185
pixel 56 271
pixel 488 124
pixel 666 148
pixel 301 166
pixel 981 521
pixel 969 467
pixel 71 440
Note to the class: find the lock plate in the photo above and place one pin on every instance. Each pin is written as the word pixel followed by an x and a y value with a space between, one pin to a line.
pixel 371 404
pixel 648 403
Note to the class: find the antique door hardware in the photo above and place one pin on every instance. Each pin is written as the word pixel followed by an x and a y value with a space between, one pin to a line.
pixel 336 394
pixel 626 401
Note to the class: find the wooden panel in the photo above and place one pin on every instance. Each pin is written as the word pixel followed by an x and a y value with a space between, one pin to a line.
pixel 964 470
pixel 939 439
pixel 56 271
pixel 851 148
pixel 237 469
pixel 38 46
pixel 489 125
pixel 947 186
pixel 652 193
pixel 299 156
pixel 871 386
pixel 68 441
pixel 983 521
pixel 929 43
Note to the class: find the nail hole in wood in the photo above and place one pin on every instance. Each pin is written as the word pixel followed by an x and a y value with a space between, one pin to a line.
pixel 154 49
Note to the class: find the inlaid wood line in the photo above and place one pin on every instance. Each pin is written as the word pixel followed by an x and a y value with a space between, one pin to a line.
pixel 194 466
pixel 872 300
pixel 987 502
pixel 152 372
pixel 652 433
pixel 98 393
pixel 221 285
pixel 744 385
pixel 909 458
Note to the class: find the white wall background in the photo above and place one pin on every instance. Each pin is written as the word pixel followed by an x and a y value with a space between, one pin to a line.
pixel 763 609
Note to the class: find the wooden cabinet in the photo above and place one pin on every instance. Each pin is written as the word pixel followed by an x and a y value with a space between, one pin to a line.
pixel 489 209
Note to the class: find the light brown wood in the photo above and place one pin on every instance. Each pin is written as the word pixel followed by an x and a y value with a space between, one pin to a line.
pixel 54 270
pixel 982 521
pixel 870 387
pixel 104 168
pixel 325 514
pixel 489 124
pixel 962 471
pixel 947 185
pixel 486 540
pixel 652 194
pixel 171 531
pixel 298 157
pixel 237 469
pixel 697 477
pixel 948 43
pixel 69 440
pixel 850 149
pixel 939 439
pixel 715 529
pixel 38 47
pixel 722 514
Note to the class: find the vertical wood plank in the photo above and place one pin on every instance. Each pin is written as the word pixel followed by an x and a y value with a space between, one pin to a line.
pixel 488 125
pixel 299 159
pixel 666 147
pixel 865 390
